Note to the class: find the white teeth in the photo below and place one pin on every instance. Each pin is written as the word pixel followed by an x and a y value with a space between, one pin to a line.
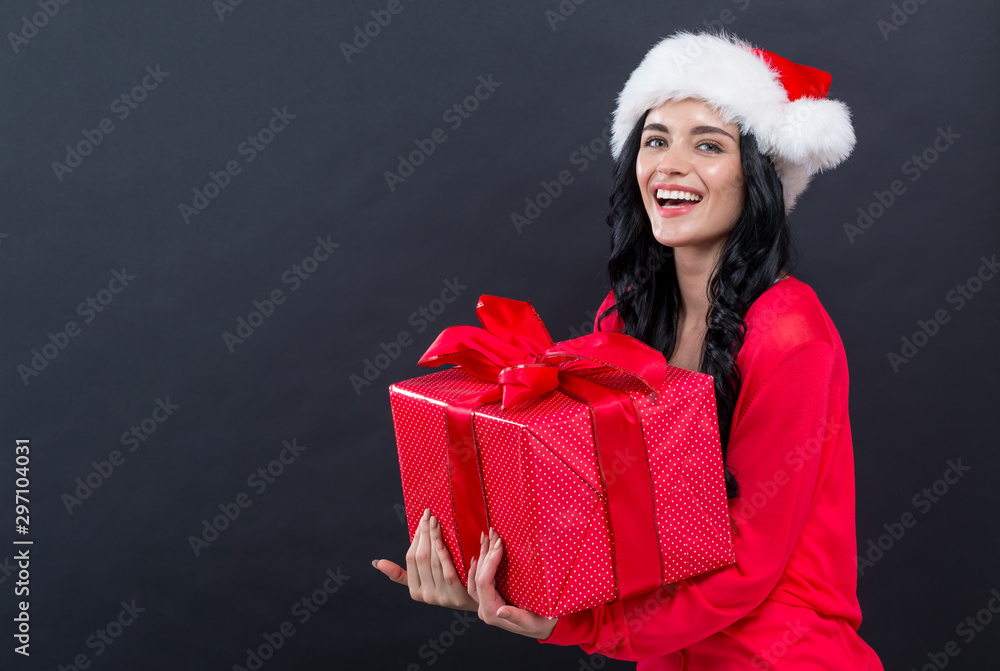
pixel 675 195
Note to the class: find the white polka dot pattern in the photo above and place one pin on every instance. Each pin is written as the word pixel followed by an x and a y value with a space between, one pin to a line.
pixel 543 487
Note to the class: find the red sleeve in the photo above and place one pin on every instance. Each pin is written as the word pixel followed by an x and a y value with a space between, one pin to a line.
pixel 790 405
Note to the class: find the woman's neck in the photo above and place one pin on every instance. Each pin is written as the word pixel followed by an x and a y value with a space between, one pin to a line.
pixel 693 268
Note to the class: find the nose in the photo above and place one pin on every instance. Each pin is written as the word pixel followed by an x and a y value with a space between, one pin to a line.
pixel 674 161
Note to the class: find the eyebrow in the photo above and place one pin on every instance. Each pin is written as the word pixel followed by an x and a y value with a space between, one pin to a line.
pixel 697 130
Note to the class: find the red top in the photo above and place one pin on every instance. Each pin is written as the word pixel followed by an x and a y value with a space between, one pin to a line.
pixel 789 601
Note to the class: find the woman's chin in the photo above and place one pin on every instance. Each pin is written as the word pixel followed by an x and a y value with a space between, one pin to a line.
pixel 679 240
pixel 670 236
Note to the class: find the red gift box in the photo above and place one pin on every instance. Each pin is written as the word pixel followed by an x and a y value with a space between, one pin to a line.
pixel 597 463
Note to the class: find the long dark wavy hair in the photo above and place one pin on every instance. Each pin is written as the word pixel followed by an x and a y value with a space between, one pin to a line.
pixel 757 249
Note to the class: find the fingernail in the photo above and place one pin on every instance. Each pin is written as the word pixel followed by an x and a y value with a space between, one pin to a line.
pixel 375 563
pixel 434 522
pixel 482 537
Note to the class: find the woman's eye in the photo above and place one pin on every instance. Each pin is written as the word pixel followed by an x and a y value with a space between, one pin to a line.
pixel 711 146
pixel 655 142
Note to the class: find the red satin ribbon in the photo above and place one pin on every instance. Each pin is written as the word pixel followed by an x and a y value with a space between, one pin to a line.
pixel 515 352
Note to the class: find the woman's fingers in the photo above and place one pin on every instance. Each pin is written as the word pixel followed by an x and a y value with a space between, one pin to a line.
pixel 423 557
pixel 449 575
pixel 484 548
pixel 432 578
pixel 517 617
pixel 525 623
pixel 436 544
pixel 413 575
pixel 430 572
pixel 393 570
pixel 474 565
pixel 470 582
pixel 489 599
pixel 493 610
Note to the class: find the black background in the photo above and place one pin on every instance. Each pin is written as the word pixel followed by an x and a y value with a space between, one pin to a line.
pixel 336 505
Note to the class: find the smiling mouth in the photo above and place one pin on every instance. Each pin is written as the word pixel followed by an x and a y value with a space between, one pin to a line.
pixel 671 198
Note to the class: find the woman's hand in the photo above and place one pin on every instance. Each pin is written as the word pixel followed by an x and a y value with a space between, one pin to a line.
pixel 430 573
pixel 431 577
pixel 492 608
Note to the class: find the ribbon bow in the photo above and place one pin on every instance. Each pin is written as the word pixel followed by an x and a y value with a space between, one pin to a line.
pixel 514 351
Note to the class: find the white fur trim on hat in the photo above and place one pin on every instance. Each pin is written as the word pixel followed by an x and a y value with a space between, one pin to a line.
pixel 802 137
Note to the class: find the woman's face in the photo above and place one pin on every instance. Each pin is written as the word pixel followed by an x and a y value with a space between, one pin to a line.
pixel 690 174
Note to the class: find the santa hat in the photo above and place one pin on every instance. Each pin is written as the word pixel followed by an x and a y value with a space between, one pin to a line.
pixel 782 103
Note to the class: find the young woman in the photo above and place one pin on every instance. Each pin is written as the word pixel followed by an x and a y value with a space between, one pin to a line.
pixel 713 142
